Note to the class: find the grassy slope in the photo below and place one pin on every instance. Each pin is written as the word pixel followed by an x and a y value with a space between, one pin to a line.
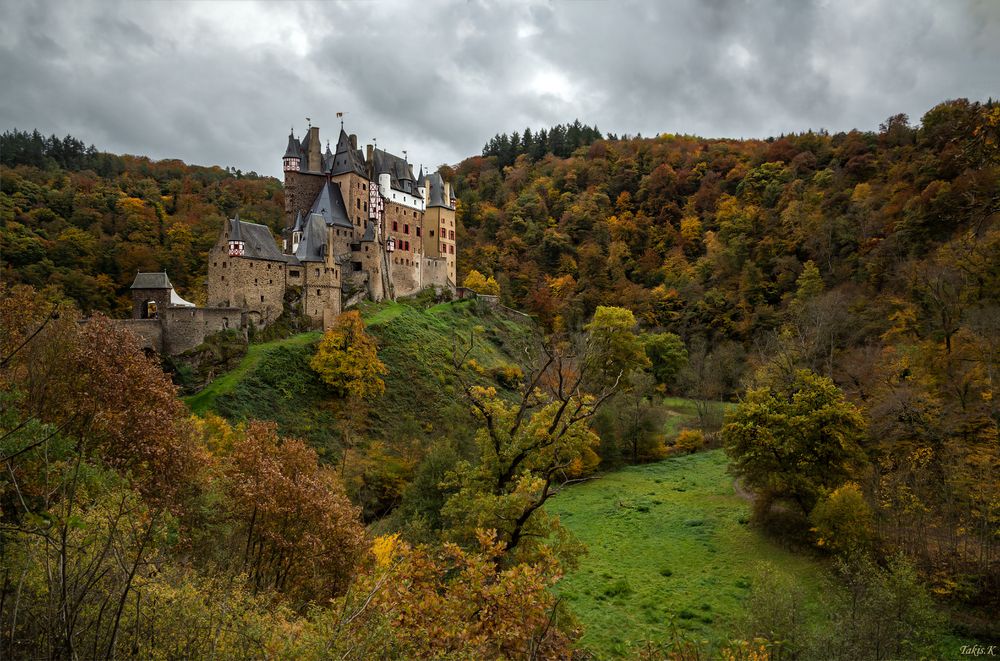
pixel 667 544
pixel 422 399
pixel 205 399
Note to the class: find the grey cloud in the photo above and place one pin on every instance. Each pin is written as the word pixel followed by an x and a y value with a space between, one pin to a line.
pixel 219 83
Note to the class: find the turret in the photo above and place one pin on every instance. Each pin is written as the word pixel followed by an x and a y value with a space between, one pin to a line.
pixel 236 244
pixel 291 161
pixel 297 233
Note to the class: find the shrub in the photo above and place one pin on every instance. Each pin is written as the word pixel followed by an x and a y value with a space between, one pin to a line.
pixel 689 440
pixel 843 521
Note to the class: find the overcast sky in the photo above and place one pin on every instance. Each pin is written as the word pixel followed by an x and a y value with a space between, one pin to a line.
pixel 222 82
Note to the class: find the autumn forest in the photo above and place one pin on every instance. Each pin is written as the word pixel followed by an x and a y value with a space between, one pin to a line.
pixel 817 313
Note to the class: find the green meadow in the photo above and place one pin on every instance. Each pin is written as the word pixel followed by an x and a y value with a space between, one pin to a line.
pixel 670 554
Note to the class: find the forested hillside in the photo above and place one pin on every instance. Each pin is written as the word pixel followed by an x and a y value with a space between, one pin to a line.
pixel 868 259
pixel 85 221
pixel 840 292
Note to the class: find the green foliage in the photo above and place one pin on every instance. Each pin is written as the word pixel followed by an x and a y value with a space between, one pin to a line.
pixel 614 349
pixel 794 440
pixel 842 521
pixel 667 356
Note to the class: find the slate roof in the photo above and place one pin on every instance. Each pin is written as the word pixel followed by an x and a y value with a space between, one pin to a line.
pixel 347 159
pixel 293 150
pixel 436 193
pixel 258 242
pixel 151 281
pixel 299 222
pixel 369 232
pixel 312 245
pixel 330 205
pixel 400 172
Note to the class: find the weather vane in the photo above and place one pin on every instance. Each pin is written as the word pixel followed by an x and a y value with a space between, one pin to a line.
pixel 309 121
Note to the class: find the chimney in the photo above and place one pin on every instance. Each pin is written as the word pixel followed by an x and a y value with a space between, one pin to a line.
pixel 447 194
pixel 368 150
pixel 427 191
pixel 314 151
pixel 354 142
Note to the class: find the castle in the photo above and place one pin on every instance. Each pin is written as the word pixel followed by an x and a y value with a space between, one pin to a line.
pixel 357 225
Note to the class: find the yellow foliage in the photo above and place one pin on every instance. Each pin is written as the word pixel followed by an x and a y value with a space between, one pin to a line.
pixel 384 548
pixel 689 440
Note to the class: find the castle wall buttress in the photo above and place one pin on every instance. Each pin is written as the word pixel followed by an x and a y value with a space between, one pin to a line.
pixel 320 291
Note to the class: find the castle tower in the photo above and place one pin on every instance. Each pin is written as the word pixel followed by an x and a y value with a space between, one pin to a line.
pixel 150 295
pixel 292 160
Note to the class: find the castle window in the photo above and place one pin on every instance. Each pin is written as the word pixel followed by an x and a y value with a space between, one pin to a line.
pixel 215 263
pixel 451 234
pixel 414 214
pixel 255 281
pixel 317 272
pixel 366 206
pixel 418 231
pixel 395 228
pixel 317 292
pixel 223 265
pixel 359 202
pixel 432 232
pixel 406 228
pixel 293 273
pixel 262 299
pixel 223 278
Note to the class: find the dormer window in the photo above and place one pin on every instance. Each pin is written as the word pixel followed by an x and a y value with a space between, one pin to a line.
pixel 291 165
pixel 236 248
pixel 296 240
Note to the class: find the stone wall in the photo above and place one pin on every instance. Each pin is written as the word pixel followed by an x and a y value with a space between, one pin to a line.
pixel 301 190
pixel 320 290
pixel 149 332
pixel 354 190
pixel 185 328
pixel 141 296
pixel 255 284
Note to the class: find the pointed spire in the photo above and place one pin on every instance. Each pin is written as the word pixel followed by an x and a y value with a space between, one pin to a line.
pixel 292 151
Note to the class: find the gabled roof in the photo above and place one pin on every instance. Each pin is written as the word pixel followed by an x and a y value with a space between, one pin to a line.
pixel 151 281
pixel 347 159
pixel 330 205
pixel 258 242
pixel 400 172
pixel 312 245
